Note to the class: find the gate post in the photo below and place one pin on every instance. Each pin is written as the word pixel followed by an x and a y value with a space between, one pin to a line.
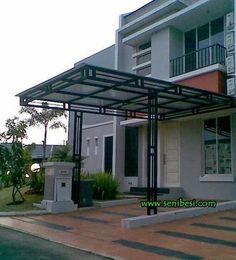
pixel 152 143
pixel 77 148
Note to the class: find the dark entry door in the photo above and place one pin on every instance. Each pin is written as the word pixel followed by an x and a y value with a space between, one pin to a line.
pixel 108 152
pixel 131 152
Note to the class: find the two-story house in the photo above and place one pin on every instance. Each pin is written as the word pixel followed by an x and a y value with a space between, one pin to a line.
pixel 184 43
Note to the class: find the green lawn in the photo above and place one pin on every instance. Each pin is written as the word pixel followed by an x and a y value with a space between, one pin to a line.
pixel 5 198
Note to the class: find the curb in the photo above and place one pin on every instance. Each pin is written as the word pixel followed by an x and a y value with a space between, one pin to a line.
pixel 23 213
pixel 111 203
pixel 168 216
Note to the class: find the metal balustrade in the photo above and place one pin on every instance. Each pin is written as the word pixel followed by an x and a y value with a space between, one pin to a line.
pixel 214 54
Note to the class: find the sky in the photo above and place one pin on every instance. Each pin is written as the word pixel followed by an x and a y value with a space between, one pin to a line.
pixel 42 38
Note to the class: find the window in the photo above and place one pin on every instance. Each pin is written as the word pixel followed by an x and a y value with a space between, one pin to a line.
pixel 217 31
pixel 96 145
pixel 88 147
pixel 144 46
pixel 203 43
pixel 190 48
pixel 142 59
pixel 217 145
pixel 201 47
pixel 144 71
pixel 190 41
pixel 205 35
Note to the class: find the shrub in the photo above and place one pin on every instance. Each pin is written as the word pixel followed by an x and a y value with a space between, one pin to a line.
pixel 62 154
pixel 6 180
pixel 105 186
pixel 36 182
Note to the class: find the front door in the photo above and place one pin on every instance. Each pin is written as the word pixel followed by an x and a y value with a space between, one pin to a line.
pixel 171 154
pixel 108 153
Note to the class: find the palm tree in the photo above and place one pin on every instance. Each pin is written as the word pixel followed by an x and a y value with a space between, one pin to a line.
pixel 48 118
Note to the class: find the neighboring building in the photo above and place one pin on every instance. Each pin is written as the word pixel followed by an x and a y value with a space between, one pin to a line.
pixel 36 151
pixel 188 42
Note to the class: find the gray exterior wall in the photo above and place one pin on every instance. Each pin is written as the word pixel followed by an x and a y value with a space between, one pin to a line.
pixel 91 119
pixel 123 55
pixel 104 58
pixel 189 2
pixel 192 164
pixel 149 7
pixel 94 163
pixel 144 9
pixel 119 151
pixel 123 62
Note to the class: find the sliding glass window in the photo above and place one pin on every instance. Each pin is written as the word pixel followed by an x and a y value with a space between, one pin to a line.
pixel 217 145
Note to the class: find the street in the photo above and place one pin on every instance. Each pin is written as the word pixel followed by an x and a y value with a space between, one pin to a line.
pixel 16 245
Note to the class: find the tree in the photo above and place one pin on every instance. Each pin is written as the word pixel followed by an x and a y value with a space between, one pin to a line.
pixel 48 118
pixel 16 130
pixel 15 160
pixel 4 158
pixel 18 165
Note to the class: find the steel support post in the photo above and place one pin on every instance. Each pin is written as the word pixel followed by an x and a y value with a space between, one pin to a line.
pixel 77 148
pixel 152 163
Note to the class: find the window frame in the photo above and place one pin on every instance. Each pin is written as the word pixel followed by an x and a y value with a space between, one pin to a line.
pixel 217 177
pixel 138 53
pixel 196 32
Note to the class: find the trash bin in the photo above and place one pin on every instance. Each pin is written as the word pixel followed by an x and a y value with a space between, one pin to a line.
pixel 86 193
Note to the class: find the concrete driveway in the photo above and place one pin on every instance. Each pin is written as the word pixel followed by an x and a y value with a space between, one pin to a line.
pixel 212 236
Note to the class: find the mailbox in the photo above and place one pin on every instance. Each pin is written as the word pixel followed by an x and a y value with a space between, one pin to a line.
pixel 58 185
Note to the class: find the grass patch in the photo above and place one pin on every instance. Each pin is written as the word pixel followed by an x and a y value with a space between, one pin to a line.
pixel 6 200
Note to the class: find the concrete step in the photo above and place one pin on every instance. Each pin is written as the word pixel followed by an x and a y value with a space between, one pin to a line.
pixel 165 192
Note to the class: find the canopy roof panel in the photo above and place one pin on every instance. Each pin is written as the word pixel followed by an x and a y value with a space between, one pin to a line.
pixel 93 89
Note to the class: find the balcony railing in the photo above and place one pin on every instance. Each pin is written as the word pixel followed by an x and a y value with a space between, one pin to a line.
pixel 214 54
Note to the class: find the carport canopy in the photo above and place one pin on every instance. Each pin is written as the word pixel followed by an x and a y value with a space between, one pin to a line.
pixel 92 89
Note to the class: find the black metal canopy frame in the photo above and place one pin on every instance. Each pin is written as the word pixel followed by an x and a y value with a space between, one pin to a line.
pixel 92 89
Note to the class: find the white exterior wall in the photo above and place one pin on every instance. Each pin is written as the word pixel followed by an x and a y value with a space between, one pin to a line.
pixel 166 44
pixel 161 54
pixel 142 156
pixel 192 164
pixel 176 43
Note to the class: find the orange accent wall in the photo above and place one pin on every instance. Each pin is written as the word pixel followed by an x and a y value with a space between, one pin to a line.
pixel 213 81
